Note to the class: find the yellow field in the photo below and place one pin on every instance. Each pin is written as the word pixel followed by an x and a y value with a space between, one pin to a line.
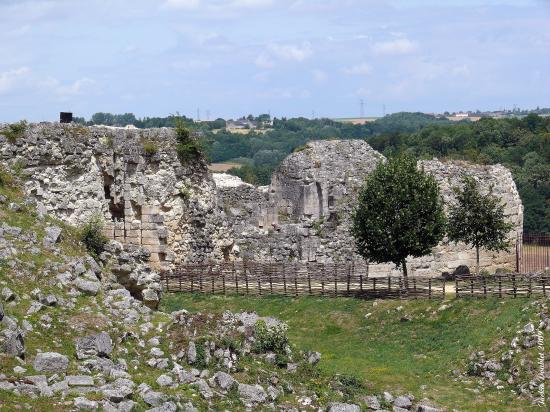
pixel 222 167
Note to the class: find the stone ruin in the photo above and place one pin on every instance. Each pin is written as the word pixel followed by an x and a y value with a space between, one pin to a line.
pixel 181 213
pixel 305 213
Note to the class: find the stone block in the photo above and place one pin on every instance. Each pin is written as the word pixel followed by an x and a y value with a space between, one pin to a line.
pixel 150 241
pixel 149 210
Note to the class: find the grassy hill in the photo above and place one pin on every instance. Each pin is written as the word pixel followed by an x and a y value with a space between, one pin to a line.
pixel 422 347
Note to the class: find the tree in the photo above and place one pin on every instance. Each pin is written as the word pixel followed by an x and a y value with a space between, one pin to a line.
pixel 399 213
pixel 478 219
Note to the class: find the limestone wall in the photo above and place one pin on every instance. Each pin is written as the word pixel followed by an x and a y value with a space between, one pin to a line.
pixel 145 198
pixel 180 213
pixel 306 212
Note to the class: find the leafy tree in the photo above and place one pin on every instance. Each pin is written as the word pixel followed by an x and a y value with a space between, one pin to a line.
pixel 399 213
pixel 478 219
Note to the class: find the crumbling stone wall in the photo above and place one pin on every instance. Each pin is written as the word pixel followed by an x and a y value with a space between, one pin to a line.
pixel 306 212
pixel 180 213
pixel 147 198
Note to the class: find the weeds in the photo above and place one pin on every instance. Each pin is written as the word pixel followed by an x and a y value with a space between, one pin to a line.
pixel 149 147
pixel 15 131
pixel 270 338
pixel 92 236
pixel 188 149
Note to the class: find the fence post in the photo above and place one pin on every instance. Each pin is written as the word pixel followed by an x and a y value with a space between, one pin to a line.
pixel 514 284
pixel 361 283
pixel 223 279
pixel 284 279
pixel 544 286
pixel 270 272
pixel 374 285
pixel 485 288
pixel 471 286
pixel 443 288
pixel 335 274
pixel 236 279
pixel 530 286
pixel 296 278
pixel 212 278
pixel 500 287
pixel 349 276
pixel 456 288
pixel 259 275
pixel 430 288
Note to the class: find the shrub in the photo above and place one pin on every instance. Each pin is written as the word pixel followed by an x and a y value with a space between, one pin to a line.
pixel 6 179
pixel 185 193
pixel 150 148
pixel 15 131
pixel 188 149
pixel 92 236
pixel 270 338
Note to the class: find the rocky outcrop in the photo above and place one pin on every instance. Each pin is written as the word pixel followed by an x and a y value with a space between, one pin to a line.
pixel 132 178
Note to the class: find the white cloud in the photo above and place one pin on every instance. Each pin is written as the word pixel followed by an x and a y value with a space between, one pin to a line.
pixel 295 52
pixel 361 69
pixel 77 87
pixel 10 78
pixel 264 61
pixel 397 46
pixel 192 65
pixel 251 3
pixel 183 4
pixel 462 70
pixel 223 5
pixel 319 76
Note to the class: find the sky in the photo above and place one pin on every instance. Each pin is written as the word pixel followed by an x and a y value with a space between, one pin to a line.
pixel 228 58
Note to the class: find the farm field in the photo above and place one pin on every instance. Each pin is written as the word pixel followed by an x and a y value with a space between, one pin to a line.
pixel 222 167
pixel 397 346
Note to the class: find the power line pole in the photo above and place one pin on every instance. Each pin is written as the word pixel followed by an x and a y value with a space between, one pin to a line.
pixel 362 108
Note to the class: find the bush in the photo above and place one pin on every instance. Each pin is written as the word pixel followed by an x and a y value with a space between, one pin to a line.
pixel 185 193
pixel 15 131
pixel 188 149
pixel 6 179
pixel 270 338
pixel 92 236
pixel 150 148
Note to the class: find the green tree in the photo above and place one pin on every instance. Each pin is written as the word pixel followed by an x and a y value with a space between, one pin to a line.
pixel 399 213
pixel 478 219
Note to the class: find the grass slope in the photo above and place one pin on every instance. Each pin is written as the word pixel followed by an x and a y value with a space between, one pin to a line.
pixel 391 353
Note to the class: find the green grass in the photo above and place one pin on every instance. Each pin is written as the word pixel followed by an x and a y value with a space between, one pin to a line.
pixel 390 354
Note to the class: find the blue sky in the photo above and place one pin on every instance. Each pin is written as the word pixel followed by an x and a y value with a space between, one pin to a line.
pixel 289 57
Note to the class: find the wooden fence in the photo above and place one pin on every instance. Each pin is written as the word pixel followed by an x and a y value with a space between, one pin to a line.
pixel 297 279
pixel 510 285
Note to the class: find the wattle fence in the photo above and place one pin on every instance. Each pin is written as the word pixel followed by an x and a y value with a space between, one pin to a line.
pixel 502 286
pixel 341 279
pixel 297 279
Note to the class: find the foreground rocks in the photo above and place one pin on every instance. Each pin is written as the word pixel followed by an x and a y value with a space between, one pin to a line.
pixel 78 333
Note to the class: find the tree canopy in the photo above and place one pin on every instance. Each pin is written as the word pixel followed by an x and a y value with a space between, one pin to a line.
pixel 478 219
pixel 399 213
